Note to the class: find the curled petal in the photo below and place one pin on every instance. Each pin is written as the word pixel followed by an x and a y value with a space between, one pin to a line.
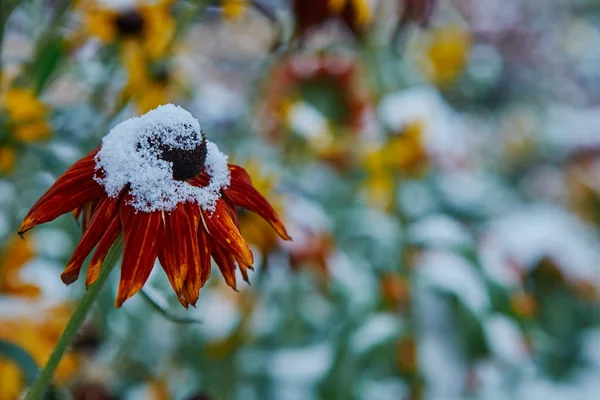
pixel 142 235
pixel 226 264
pixel 112 232
pixel 243 194
pixel 71 190
pixel 107 210
pixel 222 228
pixel 87 214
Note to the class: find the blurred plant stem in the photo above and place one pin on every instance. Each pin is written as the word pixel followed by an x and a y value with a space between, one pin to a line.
pixel 6 8
pixel 410 337
pixel 44 379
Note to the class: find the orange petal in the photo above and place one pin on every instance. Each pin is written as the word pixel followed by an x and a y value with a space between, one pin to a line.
pixel 105 213
pixel 205 246
pixel 113 230
pixel 198 256
pixel 179 255
pixel 222 228
pixel 87 214
pixel 142 235
pixel 226 264
pixel 243 194
pixel 71 190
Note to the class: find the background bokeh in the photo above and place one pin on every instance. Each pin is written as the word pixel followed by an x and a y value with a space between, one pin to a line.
pixel 437 164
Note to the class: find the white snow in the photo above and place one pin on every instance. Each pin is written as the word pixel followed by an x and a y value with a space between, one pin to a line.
pixel 505 339
pixel 307 121
pixel 447 271
pixel 443 130
pixel 518 240
pixel 440 231
pixel 127 158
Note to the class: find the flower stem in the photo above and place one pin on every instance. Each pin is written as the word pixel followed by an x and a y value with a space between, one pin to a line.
pixel 44 378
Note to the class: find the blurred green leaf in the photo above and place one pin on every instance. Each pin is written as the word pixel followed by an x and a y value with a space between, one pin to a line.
pixel 46 62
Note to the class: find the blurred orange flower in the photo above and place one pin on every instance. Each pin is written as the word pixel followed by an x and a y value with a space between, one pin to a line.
pixel 12 259
pixel 321 99
pixel 38 338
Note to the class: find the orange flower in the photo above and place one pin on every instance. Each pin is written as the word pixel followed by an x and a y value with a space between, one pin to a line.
pixel 356 14
pixel 321 99
pixel 37 337
pixel 170 193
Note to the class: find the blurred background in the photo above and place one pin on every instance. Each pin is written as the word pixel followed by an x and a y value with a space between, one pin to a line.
pixel 437 164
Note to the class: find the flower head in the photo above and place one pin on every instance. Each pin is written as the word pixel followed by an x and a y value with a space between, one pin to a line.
pixel 13 258
pixel 25 120
pixel 319 98
pixel 172 195
pixel 149 25
pixel 37 336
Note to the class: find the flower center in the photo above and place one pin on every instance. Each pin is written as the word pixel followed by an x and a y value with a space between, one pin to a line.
pixel 187 162
pixel 130 23
pixel 187 155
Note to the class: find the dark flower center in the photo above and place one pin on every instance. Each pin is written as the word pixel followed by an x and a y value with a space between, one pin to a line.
pixel 160 73
pixel 130 23
pixel 187 163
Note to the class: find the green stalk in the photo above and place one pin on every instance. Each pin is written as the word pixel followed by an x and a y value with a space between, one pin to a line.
pixel 44 379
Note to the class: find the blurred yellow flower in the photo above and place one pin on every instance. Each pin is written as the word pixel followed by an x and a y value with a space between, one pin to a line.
pixel 403 155
pixel 38 338
pixel 7 159
pixel 27 115
pixel 25 123
pixel 149 83
pixel 22 105
pixel 446 54
pixel 234 9
pixel 12 259
pixel 150 26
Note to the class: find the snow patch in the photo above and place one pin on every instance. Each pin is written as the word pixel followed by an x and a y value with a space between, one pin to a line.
pixel 129 157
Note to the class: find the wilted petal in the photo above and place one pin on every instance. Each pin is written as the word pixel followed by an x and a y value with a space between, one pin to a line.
pixel 180 256
pixel 142 235
pixel 205 249
pixel 226 264
pixel 106 211
pixel 243 194
pixel 222 228
pixel 72 189
pixel 113 230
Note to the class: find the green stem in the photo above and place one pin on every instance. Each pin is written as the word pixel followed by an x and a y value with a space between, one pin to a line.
pixel 39 387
